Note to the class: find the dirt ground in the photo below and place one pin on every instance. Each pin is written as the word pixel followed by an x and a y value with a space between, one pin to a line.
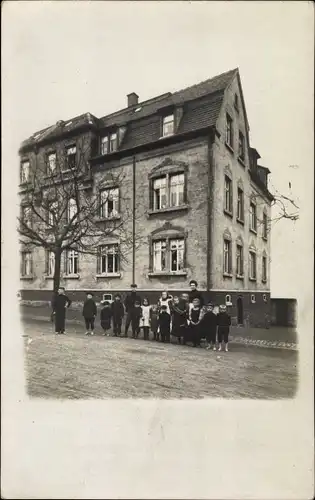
pixel 74 366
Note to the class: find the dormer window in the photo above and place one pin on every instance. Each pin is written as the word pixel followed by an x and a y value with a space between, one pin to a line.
pixel 104 145
pixel 71 157
pixel 51 163
pixel 113 142
pixel 168 125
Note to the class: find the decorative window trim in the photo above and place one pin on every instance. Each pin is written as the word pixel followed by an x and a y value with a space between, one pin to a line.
pixel 167 234
pixel 167 172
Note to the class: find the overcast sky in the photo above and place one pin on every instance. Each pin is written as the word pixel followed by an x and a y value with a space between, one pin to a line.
pixel 61 59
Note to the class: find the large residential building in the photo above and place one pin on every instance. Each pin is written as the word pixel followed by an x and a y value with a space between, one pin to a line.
pixel 182 165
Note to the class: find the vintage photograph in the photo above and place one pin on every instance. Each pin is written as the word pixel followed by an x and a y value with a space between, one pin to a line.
pixel 146 241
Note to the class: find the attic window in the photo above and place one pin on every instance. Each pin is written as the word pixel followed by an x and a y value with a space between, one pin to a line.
pixel 236 106
pixel 168 125
pixel 69 123
pixel 37 136
pixel 138 109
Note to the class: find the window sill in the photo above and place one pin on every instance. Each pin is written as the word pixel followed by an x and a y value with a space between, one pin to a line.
pixel 240 277
pixel 108 275
pixel 105 219
pixel 227 275
pixel 252 279
pixel 240 221
pixel 228 213
pixel 253 231
pixel 166 273
pixel 168 209
pixel 229 147
pixel 167 135
pixel 48 277
pixel 31 277
pixel 71 276
pixel 242 162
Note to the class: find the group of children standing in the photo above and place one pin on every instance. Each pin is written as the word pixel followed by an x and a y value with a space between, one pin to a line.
pixel 184 317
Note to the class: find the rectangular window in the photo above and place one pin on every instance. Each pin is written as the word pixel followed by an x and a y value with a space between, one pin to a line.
pixel 177 183
pixel 168 125
pixel 104 145
pixel 264 268
pixel 71 157
pixel 27 216
pixel 159 255
pixel 227 194
pixel 241 146
pixel 50 263
pixel 72 262
pixel 229 130
pixel 252 265
pixel 239 260
pixel 52 213
pixel 159 193
pixel 113 143
pixel 109 263
pixel 72 209
pixel 51 163
pixel 253 217
pixel 227 257
pixel 26 264
pixel 265 226
pixel 240 204
pixel 25 171
pixel 236 106
pixel 177 254
pixel 109 203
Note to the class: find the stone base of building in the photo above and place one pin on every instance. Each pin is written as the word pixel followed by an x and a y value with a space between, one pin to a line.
pixel 246 308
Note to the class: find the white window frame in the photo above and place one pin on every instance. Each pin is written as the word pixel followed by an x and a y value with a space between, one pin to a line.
pixel 113 142
pixel 164 246
pixel 25 171
pixel 51 162
pixel 72 209
pixel 227 256
pixel 27 216
pixel 228 300
pixel 228 194
pixel 104 251
pixel 168 126
pixel 177 188
pixel 27 261
pixel 104 145
pixel 50 263
pixel 159 247
pixel 159 187
pixel 72 261
pixel 178 246
pixel 252 265
pixel 52 215
pixel 106 196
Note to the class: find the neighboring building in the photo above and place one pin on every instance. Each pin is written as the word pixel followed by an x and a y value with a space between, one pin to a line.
pixel 199 197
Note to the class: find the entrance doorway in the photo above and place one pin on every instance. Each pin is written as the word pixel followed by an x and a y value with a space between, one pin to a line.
pixel 240 311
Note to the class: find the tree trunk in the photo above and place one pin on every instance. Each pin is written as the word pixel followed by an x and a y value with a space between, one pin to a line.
pixel 58 254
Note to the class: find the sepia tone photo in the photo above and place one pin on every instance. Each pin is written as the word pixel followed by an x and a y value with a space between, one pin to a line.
pixel 159 206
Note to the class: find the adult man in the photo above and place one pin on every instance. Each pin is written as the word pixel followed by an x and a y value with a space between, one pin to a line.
pixel 194 293
pixel 59 305
pixel 130 300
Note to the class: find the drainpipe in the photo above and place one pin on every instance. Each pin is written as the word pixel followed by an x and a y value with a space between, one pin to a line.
pixel 133 219
pixel 210 208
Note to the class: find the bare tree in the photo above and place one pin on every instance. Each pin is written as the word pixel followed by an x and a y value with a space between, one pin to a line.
pixel 61 210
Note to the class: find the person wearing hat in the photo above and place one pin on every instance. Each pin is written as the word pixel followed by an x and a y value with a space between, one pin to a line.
pixel 209 326
pixel 130 301
pixel 59 305
pixel 194 293
pixel 224 323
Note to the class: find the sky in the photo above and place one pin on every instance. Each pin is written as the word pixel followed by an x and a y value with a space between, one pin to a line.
pixel 61 59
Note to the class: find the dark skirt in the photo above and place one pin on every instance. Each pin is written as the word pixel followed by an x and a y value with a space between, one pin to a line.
pixel 105 324
pixel 192 334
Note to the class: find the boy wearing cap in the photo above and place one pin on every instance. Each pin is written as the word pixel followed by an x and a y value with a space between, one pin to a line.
pixel 224 323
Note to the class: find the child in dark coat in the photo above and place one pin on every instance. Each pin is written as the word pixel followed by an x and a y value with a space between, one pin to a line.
pixel 135 321
pixel 118 312
pixel 154 321
pixel 164 324
pixel 89 313
pixel 195 317
pixel 106 316
pixel 209 327
pixel 179 318
pixel 224 323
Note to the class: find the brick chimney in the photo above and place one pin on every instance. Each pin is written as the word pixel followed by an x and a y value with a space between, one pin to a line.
pixel 132 99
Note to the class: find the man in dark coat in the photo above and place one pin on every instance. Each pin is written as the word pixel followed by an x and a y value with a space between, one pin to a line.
pixel 89 313
pixel 194 293
pixel 209 327
pixel 60 303
pixel 118 314
pixel 130 301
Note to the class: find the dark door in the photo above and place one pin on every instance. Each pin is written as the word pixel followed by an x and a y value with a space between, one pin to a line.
pixel 282 313
pixel 240 311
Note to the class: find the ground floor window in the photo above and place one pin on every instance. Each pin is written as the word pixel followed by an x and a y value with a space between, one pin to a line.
pixel 50 263
pixel 168 255
pixel 108 260
pixel 72 262
pixel 252 265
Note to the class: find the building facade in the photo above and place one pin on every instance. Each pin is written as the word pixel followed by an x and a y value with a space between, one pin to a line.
pixel 182 166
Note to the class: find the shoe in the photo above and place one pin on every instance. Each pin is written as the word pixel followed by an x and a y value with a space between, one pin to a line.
pixel 104 334
pixel 92 333
pixel 214 348
pixel 220 348
pixel 87 333
pixel 226 348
